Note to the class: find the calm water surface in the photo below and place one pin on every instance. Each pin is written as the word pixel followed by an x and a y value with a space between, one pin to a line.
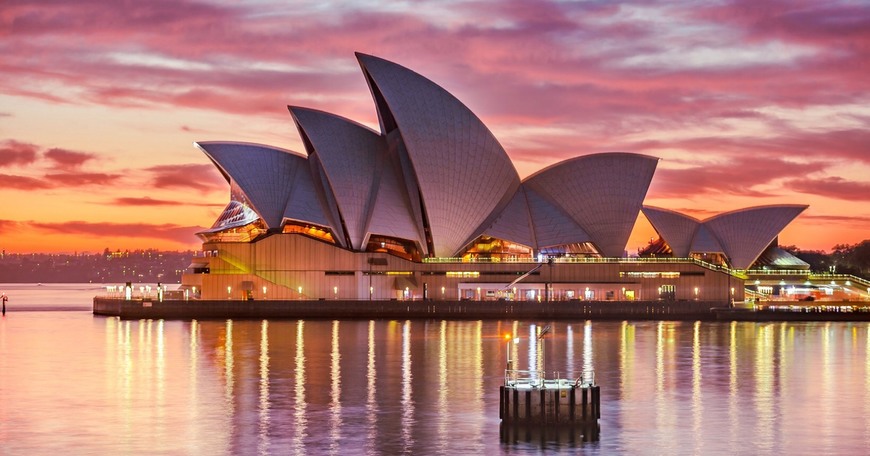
pixel 72 383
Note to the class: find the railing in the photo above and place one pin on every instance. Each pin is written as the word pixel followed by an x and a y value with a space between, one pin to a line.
pixel 538 379
pixel 810 275
pixel 578 260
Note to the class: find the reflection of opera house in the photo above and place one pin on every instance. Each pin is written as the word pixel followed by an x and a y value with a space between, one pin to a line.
pixel 431 207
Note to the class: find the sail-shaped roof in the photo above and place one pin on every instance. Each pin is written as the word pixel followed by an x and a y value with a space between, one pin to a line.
pixel 745 233
pixel 602 193
pixel 675 228
pixel 464 176
pixel 349 154
pixel 264 174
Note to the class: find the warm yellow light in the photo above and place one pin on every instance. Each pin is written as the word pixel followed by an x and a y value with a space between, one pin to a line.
pixel 507 337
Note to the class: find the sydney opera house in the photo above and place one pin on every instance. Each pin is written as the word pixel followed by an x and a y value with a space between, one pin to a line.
pixel 431 207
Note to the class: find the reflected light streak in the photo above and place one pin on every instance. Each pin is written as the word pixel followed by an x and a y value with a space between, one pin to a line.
pixel 733 415
pixel 626 357
pixel 193 415
pixel 128 364
pixel 443 389
pixel 407 401
pixel 569 351
pixel 515 350
pixel 588 362
pixel 477 386
pixel 666 417
pixel 697 406
pixel 299 411
pixel 161 376
pixel 660 359
pixel 534 362
pixel 867 386
pixel 228 366
pixel 263 434
pixel 764 386
pixel 335 392
pixel 371 403
pixel 829 359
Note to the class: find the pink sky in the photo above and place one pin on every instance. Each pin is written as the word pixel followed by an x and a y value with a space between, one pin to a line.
pixel 100 101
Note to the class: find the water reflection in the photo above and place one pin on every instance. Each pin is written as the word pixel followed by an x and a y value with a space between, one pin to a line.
pixel 299 409
pixel 335 392
pixel 423 387
pixel 263 434
pixel 407 401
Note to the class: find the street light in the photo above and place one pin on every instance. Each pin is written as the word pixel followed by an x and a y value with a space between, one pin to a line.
pixel 264 292
pixel 229 292
pixel 335 292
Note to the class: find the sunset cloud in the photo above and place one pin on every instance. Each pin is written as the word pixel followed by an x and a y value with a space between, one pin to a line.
pixel 146 201
pixel 833 187
pixel 16 153
pixel 66 159
pixel 8 181
pixel 166 231
pixel 78 179
pixel 203 177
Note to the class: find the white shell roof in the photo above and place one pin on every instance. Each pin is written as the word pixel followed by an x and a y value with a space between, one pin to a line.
pixel 392 214
pixel 675 228
pixel 745 233
pixel 704 241
pixel 603 193
pixel 551 225
pixel 464 174
pixel 514 223
pixel 357 183
pixel 264 174
pixel 351 156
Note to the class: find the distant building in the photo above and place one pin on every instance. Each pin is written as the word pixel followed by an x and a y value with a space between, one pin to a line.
pixel 431 207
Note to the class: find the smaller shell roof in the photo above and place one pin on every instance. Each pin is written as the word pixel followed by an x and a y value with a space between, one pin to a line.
pixel 675 228
pixel 602 193
pixel 745 233
pixel 263 173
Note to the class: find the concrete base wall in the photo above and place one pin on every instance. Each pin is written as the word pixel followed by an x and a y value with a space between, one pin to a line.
pixel 576 310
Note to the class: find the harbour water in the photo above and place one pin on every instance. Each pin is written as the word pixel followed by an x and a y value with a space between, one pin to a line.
pixel 73 383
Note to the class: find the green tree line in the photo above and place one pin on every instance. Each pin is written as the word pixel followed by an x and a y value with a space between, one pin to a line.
pixel 843 259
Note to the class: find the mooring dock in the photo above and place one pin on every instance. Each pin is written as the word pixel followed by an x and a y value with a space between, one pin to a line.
pixel 529 397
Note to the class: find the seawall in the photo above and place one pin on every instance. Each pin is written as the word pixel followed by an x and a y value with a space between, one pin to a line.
pixel 459 310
